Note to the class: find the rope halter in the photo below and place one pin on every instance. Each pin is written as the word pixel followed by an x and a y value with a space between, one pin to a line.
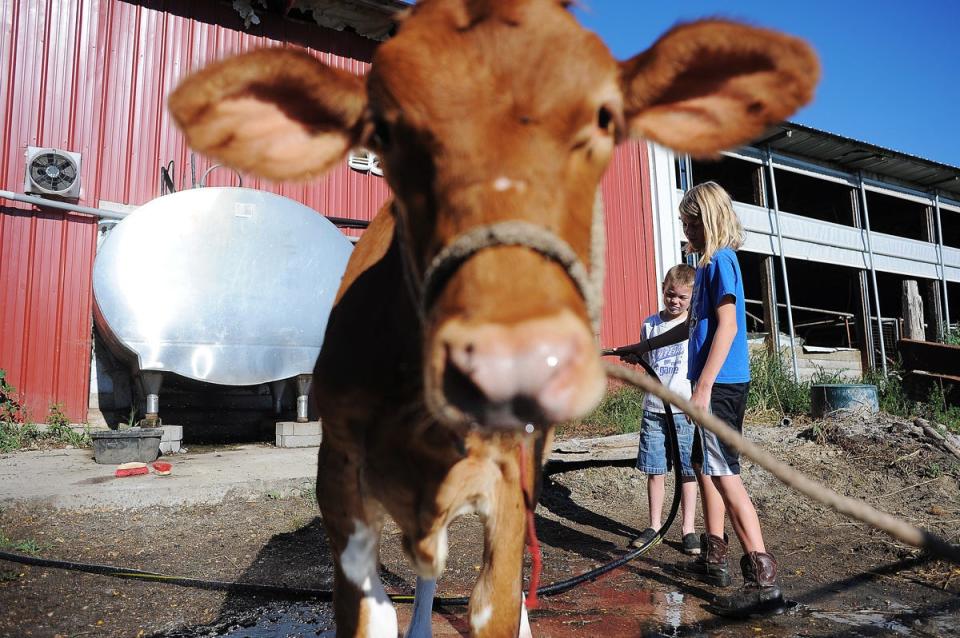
pixel 516 233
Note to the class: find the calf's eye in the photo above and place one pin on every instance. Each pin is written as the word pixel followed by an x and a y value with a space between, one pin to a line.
pixel 381 133
pixel 604 118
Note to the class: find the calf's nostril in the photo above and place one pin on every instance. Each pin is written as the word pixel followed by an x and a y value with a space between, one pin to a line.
pixel 459 389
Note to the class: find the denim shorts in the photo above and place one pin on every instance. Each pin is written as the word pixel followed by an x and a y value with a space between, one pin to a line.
pixel 728 402
pixel 654 456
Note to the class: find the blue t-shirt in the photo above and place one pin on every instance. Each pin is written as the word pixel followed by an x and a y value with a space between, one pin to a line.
pixel 719 278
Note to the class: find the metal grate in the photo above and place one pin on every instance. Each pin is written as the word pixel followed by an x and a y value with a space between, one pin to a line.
pixel 890 328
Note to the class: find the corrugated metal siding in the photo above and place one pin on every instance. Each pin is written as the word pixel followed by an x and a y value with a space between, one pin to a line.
pixel 91 76
pixel 631 290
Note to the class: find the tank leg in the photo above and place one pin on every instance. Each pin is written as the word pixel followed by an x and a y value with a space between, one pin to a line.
pixel 277 389
pixel 152 380
pixel 304 381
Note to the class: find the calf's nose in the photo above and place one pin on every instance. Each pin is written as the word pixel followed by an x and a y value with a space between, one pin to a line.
pixel 543 370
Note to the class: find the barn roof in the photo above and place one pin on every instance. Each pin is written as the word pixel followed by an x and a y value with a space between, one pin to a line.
pixel 369 18
pixel 850 155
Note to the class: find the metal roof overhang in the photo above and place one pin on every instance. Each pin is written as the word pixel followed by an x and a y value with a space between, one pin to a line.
pixel 369 18
pixel 851 156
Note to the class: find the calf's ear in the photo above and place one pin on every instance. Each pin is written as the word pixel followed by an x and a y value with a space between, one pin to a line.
pixel 277 113
pixel 712 85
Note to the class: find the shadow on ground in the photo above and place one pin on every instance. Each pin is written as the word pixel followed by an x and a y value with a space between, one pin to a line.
pixel 298 560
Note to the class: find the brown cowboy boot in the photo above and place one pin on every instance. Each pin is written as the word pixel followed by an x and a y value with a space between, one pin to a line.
pixel 760 592
pixel 711 565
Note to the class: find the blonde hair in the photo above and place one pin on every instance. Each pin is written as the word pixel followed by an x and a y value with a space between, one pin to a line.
pixel 721 227
pixel 679 275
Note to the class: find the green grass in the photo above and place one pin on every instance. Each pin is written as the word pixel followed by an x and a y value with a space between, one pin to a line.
pixel 774 393
pixel 17 435
pixel 59 430
pixel 937 409
pixel 620 410
pixel 773 390
pixel 952 336
pixel 10 407
pixel 29 547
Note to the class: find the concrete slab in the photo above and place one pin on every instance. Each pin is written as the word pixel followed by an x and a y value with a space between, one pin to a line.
pixel 71 478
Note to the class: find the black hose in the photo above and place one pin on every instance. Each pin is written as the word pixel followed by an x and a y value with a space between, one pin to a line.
pixel 196 583
pixel 347 222
pixel 326 595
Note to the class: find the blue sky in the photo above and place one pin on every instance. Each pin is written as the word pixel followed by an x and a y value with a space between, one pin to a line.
pixel 891 69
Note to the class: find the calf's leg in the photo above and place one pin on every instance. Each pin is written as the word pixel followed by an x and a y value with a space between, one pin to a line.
pixel 361 606
pixel 496 601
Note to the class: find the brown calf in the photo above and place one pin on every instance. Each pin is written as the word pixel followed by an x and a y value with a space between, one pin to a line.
pixel 441 377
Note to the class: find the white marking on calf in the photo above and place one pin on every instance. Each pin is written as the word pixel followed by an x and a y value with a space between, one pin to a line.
pixel 442 547
pixel 480 617
pixel 359 564
pixel 504 183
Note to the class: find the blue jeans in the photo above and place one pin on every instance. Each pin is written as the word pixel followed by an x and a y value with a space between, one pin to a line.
pixel 654 456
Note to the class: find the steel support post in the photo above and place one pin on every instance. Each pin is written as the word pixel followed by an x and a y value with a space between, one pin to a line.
pixel 943 269
pixel 783 265
pixel 873 271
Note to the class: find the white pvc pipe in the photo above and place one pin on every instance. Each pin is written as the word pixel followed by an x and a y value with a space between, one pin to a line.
pixel 53 203
pixel 783 270
pixel 873 274
pixel 943 269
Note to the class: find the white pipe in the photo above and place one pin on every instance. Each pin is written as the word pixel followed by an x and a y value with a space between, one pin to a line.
pixel 873 275
pixel 52 203
pixel 783 269
pixel 943 269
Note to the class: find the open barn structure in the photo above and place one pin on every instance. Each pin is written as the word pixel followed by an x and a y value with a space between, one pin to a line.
pixel 834 225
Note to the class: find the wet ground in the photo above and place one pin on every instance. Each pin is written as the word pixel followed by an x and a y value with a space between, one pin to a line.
pixel 847 580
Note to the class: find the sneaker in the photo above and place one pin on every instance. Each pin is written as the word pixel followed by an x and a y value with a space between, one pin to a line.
pixel 691 544
pixel 645 537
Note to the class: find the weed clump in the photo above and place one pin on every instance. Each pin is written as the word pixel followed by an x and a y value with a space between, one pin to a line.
pixel 16 434
pixel 773 390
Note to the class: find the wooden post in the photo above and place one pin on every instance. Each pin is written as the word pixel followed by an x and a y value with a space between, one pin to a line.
pixel 912 306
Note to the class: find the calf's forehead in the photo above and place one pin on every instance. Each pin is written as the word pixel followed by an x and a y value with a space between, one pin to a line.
pixel 528 58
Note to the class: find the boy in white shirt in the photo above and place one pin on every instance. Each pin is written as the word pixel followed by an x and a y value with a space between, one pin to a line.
pixel 655 457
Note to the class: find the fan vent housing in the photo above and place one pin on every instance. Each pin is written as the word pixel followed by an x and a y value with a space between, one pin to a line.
pixel 51 172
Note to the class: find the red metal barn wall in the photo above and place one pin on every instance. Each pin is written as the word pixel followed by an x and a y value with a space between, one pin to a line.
pixel 631 289
pixel 91 76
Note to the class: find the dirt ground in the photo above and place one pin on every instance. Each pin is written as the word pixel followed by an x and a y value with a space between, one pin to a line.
pixel 846 579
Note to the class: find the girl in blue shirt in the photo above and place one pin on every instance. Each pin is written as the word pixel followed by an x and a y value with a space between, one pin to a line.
pixel 719 370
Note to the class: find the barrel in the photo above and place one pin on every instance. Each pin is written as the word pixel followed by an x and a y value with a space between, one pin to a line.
pixel 837 399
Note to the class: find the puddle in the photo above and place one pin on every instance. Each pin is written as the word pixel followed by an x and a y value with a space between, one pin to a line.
pixel 297 621
pixel 598 610
pixel 617 609
pixel 294 620
pixel 898 622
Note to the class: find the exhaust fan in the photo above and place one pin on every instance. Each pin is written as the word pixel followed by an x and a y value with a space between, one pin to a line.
pixel 52 172
pixel 365 161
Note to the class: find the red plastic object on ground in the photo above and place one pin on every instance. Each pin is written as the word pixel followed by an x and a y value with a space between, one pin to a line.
pixel 131 469
pixel 162 467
